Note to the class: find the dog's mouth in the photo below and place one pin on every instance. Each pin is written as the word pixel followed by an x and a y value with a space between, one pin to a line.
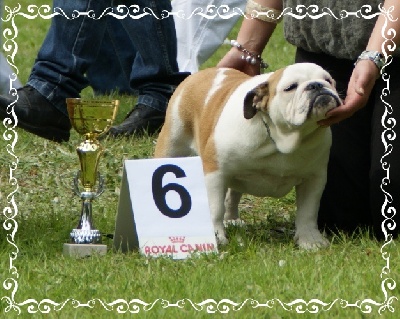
pixel 323 102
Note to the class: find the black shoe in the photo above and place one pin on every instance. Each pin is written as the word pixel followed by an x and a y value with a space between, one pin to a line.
pixel 141 120
pixel 37 115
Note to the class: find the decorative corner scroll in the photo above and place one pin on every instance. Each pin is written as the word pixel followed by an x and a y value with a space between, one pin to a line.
pixel 10 225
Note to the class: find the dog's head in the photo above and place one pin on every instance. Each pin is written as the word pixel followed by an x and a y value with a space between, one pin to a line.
pixel 294 95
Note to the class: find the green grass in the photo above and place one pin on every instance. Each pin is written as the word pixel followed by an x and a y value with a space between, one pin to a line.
pixel 261 271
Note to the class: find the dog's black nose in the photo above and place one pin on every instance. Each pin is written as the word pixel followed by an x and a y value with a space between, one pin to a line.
pixel 314 86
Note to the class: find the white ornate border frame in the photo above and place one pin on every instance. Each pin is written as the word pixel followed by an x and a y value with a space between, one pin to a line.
pixel 210 305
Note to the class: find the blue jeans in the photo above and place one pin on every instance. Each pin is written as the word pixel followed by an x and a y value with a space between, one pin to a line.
pixel 71 46
pixel 112 68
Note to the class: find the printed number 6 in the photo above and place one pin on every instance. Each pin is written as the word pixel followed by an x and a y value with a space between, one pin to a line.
pixel 160 192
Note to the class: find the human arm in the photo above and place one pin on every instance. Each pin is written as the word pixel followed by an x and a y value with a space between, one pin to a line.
pixel 253 36
pixel 365 72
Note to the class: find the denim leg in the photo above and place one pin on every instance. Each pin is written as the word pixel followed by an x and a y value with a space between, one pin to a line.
pixel 154 71
pixel 70 46
pixel 112 68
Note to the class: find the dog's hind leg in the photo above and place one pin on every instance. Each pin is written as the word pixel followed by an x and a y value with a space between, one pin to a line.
pixel 172 146
pixel 232 200
pixel 231 216
pixel 173 140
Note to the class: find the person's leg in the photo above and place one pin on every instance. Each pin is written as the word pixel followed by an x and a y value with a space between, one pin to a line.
pixel 198 36
pixel 70 46
pixel 385 152
pixel 111 70
pixel 155 68
pixel 345 203
pixel 154 73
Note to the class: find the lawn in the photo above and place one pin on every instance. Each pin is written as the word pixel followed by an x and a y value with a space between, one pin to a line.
pixel 259 274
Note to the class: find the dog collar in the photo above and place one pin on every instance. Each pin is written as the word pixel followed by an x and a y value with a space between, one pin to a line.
pixel 268 130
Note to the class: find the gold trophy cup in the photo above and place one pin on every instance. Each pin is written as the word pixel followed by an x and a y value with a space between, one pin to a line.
pixel 90 118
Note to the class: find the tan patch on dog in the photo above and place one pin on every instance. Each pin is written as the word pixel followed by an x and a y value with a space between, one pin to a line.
pixel 265 92
pixel 163 149
pixel 203 98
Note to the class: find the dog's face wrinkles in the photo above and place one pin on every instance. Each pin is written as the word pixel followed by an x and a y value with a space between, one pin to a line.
pixel 305 93
pixel 299 93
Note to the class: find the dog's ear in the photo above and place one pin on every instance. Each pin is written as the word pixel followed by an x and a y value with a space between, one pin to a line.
pixel 249 109
pixel 256 100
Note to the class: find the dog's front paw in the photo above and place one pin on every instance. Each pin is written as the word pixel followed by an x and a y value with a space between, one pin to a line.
pixel 310 239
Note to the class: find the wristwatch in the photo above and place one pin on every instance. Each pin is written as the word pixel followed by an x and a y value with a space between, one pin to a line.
pixel 374 56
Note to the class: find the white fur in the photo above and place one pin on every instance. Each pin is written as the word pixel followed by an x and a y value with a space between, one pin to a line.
pixel 216 84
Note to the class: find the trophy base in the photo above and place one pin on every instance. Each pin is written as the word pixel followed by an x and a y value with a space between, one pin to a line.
pixel 84 250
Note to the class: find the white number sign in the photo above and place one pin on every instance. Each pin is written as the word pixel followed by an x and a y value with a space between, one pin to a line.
pixel 163 208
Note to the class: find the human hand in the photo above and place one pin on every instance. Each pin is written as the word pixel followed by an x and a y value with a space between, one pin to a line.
pixel 359 89
pixel 233 59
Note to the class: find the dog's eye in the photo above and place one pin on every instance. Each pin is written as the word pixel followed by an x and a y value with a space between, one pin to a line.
pixel 329 81
pixel 291 87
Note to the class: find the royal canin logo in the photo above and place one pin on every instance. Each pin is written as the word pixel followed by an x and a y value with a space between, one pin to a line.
pixel 177 239
pixel 178 245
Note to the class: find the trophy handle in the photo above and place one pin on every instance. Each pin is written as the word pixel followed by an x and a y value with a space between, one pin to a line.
pixel 100 188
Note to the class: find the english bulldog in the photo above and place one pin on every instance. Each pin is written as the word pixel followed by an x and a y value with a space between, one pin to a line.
pixel 256 135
